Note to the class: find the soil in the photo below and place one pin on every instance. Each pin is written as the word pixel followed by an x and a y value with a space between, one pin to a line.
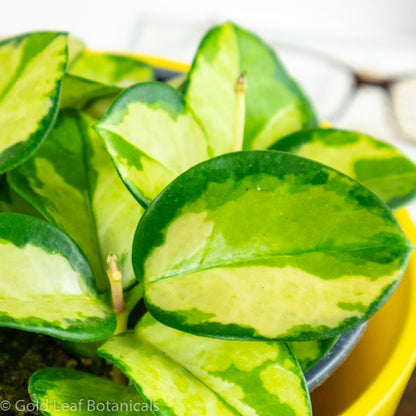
pixel 22 353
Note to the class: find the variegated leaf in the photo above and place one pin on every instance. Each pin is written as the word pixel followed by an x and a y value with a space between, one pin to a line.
pixel 265 244
pixel 73 183
pixel 12 202
pixel 75 49
pixel 152 137
pixel 78 92
pixel 31 68
pixel 112 69
pixel 185 374
pixel 275 105
pixel 61 391
pixel 309 353
pixel 375 164
pixel 46 283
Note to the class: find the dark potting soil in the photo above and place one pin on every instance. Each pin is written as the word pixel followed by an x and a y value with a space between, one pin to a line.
pixel 22 353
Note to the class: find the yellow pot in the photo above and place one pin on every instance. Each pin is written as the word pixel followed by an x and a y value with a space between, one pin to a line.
pixel 372 380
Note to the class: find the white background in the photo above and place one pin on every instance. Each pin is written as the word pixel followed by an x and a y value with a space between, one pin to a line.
pixel 110 24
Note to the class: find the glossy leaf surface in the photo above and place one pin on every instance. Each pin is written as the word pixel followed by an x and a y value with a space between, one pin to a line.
pixel 265 244
pixel 73 183
pixel 46 283
pixel 185 374
pixel 275 105
pixel 31 69
pixel 375 164
pixel 61 391
pixel 152 137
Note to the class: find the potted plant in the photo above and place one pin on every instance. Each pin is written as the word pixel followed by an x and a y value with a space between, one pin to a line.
pixel 255 237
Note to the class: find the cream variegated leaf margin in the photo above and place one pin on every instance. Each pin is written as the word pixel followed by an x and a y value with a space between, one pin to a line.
pixel 72 182
pixel 275 105
pixel 375 164
pixel 185 374
pixel 152 137
pixel 266 244
pixel 31 69
pixel 46 283
pixel 62 391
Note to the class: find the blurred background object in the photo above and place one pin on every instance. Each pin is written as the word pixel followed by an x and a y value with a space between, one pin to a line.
pixel 356 59
pixel 324 43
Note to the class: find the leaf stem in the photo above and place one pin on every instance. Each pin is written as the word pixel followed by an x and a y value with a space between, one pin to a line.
pixel 114 275
pixel 240 87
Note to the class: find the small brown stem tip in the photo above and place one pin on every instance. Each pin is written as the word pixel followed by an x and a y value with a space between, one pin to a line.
pixel 114 275
pixel 240 85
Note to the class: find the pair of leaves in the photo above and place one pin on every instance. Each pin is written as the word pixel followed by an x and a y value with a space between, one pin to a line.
pixel 72 182
pixel 182 374
pixel 154 133
pixel 40 265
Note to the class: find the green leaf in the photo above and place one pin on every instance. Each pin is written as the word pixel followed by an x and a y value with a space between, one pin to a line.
pixel 31 68
pixel 275 105
pixel 178 82
pixel 112 69
pixel 75 49
pixel 373 163
pixel 309 353
pixel 152 137
pixel 185 374
pixel 61 391
pixel 265 244
pixel 12 202
pixel 46 284
pixel 72 182
pixel 78 92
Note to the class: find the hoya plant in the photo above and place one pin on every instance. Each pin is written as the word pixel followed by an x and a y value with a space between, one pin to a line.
pixel 252 237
